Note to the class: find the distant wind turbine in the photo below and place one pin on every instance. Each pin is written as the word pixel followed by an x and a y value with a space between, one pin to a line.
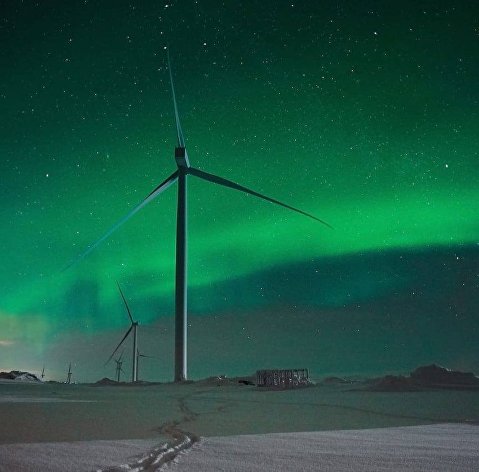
pixel 138 355
pixel 43 372
pixel 69 374
pixel 183 171
pixel 119 368
pixel 133 327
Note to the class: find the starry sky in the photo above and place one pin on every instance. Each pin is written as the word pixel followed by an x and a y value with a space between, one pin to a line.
pixel 364 114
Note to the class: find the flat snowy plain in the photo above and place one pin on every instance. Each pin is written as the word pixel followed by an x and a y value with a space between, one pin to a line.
pixel 205 427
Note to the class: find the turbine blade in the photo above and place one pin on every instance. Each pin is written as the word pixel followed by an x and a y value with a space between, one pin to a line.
pixel 228 183
pixel 126 304
pixel 179 131
pixel 161 188
pixel 119 344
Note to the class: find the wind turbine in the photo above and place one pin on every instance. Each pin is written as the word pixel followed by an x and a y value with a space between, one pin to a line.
pixel 43 372
pixel 69 374
pixel 133 327
pixel 184 170
pixel 138 355
pixel 119 369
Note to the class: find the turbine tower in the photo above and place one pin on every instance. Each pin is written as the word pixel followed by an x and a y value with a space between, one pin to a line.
pixel 133 327
pixel 43 372
pixel 69 374
pixel 184 170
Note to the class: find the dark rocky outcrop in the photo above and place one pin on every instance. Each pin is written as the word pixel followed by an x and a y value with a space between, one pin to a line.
pixel 434 375
pixel 19 376
pixel 106 381
pixel 425 377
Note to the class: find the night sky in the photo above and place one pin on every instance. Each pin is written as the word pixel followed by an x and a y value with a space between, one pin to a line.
pixel 364 114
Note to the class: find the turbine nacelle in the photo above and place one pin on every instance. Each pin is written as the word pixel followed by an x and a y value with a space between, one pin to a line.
pixel 181 157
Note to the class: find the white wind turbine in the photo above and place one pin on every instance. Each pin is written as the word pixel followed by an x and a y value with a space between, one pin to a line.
pixel 133 327
pixel 184 169
pixel 138 355
pixel 119 368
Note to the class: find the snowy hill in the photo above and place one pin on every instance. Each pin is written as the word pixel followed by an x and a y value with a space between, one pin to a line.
pixel 19 376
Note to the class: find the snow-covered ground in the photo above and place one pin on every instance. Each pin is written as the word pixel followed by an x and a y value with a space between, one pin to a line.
pixel 438 448
pixel 328 428
pixel 78 456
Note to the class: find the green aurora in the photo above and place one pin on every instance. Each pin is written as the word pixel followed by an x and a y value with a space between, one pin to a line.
pixel 362 113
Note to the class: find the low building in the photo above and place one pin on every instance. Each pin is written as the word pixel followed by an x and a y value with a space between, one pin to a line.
pixel 284 378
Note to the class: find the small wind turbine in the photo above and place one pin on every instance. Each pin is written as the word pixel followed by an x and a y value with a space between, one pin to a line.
pixel 133 327
pixel 183 171
pixel 69 374
pixel 43 372
pixel 138 355
pixel 119 369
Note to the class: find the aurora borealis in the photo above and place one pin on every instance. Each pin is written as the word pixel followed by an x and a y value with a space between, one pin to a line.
pixel 362 113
